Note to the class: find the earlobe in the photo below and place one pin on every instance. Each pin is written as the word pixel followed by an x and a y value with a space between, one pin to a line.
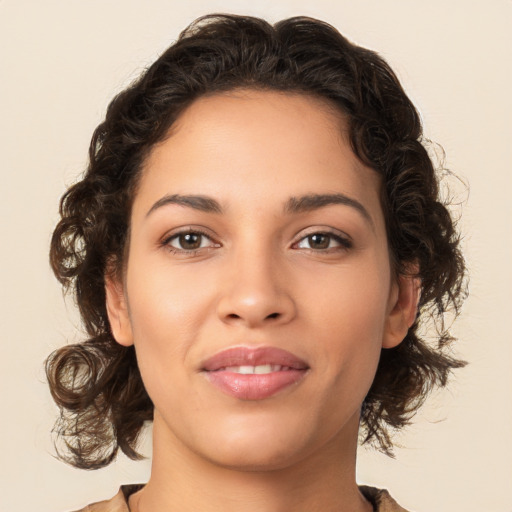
pixel 117 310
pixel 404 301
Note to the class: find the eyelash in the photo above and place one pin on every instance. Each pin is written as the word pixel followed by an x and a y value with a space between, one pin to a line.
pixel 187 252
pixel 344 242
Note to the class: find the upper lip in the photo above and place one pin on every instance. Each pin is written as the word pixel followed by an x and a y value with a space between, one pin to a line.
pixel 247 356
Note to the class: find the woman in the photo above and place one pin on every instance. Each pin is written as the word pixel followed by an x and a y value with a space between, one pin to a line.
pixel 253 247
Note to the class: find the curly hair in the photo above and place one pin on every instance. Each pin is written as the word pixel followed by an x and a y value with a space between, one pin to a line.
pixel 96 383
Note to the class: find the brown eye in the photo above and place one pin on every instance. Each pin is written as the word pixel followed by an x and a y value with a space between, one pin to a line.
pixel 319 241
pixel 189 241
pixel 324 242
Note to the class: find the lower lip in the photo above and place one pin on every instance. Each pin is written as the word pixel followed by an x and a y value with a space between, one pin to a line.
pixel 254 386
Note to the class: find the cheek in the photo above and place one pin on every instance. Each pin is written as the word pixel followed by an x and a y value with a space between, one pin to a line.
pixel 348 311
pixel 352 298
pixel 164 299
pixel 166 313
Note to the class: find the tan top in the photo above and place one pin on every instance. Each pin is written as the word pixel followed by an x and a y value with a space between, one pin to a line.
pixel 379 498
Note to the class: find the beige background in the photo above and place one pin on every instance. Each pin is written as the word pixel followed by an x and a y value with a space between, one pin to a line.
pixel 61 62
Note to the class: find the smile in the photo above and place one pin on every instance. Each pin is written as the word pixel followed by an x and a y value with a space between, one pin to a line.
pixel 254 374
pixel 261 369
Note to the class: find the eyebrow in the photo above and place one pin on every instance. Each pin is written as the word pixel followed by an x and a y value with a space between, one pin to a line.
pixel 301 204
pixel 311 202
pixel 201 203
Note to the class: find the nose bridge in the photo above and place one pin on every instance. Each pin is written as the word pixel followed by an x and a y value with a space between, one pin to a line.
pixel 256 292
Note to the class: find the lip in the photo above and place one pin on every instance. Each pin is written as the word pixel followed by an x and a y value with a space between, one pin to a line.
pixel 253 386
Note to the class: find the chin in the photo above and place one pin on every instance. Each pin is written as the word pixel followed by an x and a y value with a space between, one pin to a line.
pixel 259 447
pixel 255 459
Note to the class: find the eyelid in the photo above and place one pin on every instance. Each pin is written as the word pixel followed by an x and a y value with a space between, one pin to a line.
pixel 184 230
pixel 343 238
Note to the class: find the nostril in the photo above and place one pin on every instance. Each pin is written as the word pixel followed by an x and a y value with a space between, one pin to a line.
pixel 273 315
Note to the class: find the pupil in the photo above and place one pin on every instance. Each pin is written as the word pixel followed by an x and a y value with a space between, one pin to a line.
pixel 319 241
pixel 190 241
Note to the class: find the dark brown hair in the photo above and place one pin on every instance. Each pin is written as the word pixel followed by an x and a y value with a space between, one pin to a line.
pixel 97 384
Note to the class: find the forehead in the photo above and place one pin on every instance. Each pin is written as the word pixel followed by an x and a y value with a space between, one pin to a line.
pixel 260 147
pixel 302 121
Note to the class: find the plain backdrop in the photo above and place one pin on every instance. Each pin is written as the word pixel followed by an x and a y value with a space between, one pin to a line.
pixel 61 61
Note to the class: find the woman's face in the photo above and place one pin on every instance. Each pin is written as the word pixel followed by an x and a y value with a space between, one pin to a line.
pixel 258 289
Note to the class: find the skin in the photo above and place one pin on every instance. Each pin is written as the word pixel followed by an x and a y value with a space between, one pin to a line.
pixel 257 280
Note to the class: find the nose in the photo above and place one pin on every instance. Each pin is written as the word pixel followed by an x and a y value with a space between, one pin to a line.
pixel 256 293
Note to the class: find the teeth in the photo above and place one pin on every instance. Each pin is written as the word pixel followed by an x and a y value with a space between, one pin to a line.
pixel 259 370
pixel 266 368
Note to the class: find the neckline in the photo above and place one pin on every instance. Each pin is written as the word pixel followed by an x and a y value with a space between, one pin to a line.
pixel 370 493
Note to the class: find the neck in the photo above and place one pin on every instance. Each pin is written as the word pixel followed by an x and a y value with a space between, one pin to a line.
pixel 184 481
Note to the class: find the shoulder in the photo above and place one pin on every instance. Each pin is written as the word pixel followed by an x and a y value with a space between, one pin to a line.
pixel 119 503
pixel 380 499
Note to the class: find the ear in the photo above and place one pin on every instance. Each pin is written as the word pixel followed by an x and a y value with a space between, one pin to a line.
pixel 117 310
pixel 402 307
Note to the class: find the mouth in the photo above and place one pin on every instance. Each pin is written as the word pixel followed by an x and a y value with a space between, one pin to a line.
pixel 254 373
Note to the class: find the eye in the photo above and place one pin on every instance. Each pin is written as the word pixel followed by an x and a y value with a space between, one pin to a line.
pixel 188 241
pixel 323 242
